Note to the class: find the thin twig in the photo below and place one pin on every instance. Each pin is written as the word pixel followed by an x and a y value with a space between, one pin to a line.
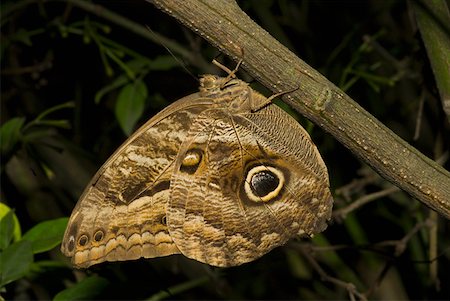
pixel 398 65
pixel 356 186
pixel 350 287
pixel 400 247
pixel 433 250
pixel 36 68
pixel 341 213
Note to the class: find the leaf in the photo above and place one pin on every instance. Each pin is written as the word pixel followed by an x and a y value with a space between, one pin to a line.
pixel 61 123
pixel 135 66
pixel 117 83
pixel 15 261
pixel 23 36
pixel 17 233
pixel 46 235
pixel 10 133
pixel 161 62
pixel 164 62
pixel 36 134
pixel 130 105
pixel 85 289
pixel 6 230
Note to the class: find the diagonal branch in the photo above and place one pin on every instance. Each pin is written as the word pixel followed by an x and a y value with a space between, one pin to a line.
pixel 226 26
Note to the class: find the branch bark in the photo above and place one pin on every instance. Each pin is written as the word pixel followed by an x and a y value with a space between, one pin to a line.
pixel 227 27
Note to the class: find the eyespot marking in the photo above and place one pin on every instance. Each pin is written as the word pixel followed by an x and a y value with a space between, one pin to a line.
pixel 83 240
pixel 98 236
pixel 263 183
pixel 191 161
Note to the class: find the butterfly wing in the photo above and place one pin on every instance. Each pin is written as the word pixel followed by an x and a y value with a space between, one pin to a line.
pixel 205 177
pixel 244 184
pixel 121 214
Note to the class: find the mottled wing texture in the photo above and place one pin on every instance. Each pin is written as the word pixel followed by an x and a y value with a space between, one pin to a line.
pixel 122 212
pixel 207 177
pixel 212 216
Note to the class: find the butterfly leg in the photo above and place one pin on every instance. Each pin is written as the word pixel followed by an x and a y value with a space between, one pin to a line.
pixel 268 101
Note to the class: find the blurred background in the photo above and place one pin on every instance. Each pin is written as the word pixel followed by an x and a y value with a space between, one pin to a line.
pixel 78 77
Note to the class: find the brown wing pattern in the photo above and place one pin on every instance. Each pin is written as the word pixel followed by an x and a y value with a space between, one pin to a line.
pixel 206 177
pixel 121 214
pixel 211 216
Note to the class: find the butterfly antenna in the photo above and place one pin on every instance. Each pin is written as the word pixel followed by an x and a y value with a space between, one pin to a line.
pixel 231 73
pixel 180 62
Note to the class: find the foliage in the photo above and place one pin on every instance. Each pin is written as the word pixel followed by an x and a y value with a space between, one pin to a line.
pixel 16 251
pixel 76 81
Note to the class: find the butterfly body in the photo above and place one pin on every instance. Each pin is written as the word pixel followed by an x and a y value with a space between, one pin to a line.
pixel 219 176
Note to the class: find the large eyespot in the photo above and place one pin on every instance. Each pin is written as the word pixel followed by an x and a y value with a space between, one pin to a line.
pixel 263 183
pixel 191 161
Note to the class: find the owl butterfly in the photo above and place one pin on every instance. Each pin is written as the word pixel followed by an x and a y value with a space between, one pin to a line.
pixel 221 176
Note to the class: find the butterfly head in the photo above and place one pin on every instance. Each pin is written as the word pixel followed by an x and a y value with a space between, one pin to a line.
pixel 213 84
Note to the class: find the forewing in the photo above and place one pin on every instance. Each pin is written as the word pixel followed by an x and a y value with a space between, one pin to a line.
pixel 121 214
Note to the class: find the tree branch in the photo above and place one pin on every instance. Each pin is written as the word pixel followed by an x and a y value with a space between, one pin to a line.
pixel 226 26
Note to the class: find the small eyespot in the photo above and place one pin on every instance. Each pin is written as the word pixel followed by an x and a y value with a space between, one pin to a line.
pixel 164 220
pixel 98 236
pixel 191 161
pixel 83 240
pixel 263 183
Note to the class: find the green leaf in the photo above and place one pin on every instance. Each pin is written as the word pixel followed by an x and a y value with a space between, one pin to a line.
pixel 6 230
pixel 83 290
pixel 130 105
pixel 10 133
pixel 36 134
pixel 135 67
pixel 46 235
pixel 61 123
pixel 15 261
pixel 23 36
pixel 17 233
pixel 164 62
pixel 117 83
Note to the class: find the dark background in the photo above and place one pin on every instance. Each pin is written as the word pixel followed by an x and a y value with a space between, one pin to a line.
pixel 55 52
